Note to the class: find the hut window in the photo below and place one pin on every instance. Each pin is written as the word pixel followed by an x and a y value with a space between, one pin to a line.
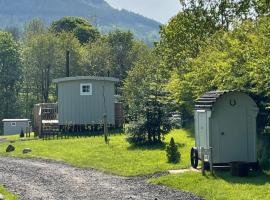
pixel 13 123
pixel 86 89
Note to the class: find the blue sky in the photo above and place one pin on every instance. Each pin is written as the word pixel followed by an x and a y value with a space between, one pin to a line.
pixel 160 10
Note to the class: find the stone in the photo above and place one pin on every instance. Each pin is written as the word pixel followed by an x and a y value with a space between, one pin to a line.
pixel 2 197
pixel 10 148
pixel 27 150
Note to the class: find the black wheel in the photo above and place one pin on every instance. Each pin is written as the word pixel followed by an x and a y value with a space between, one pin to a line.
pixel 206 165
pixel 255 166
pixel 194 157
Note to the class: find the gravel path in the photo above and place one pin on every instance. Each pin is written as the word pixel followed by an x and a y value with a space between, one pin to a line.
pixel 41 179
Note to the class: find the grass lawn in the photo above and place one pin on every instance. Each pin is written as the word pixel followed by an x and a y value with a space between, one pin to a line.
pixel 15 137
pixel 221 186
pixel 7 195
pixel 119 157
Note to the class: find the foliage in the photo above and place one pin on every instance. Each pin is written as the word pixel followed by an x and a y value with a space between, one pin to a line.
pixel 121 46
pixel 235 60
pixel 119 157
pixel 10 70
pixel 173 155
pixel 135 132
pixel 145 97
pixel 97 58
pixel 80 27
pixel 34 27
pixel 220 186
pixel 184 36
pixel 263 145
pixel 7 194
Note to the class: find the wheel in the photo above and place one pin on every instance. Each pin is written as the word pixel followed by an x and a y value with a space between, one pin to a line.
pixel 194 157
pixel 255 166
pixel 206 165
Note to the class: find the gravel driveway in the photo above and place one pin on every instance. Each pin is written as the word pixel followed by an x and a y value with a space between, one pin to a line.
pixel 41 179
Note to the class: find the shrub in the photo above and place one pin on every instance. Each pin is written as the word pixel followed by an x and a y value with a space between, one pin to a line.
pixel 136 132
pixel 263 146
pixel 173 154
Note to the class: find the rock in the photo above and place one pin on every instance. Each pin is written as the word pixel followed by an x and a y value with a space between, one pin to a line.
pixel 10 148
pixel 1 197
pixel 27 150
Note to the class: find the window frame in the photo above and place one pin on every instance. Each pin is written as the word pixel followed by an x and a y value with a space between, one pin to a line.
pixel 82 93
pixel 13 124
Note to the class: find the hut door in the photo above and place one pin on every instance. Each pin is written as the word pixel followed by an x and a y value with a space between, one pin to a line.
pixel 233 135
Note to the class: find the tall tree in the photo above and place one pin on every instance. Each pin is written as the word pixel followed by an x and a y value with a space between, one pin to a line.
pixel 34 27
pixel 185 34
pixel 144 97
pixel 121 45
pixel 98 58
pixel 80 27
pixel 235 60
pixel 10 70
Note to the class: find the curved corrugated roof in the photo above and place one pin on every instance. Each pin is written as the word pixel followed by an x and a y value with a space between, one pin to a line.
pixel 206 101
pixel 79 78
pixel 15 120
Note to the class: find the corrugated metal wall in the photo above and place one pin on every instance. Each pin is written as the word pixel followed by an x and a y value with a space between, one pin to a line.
pixel 76 109
pixel 10 130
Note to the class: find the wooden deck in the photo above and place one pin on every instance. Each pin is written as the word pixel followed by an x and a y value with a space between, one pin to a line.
pixel 50 122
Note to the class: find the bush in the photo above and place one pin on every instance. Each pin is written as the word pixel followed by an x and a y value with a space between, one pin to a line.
pixel 173 154
pixel 22 134
pixel 263 146
pixel 136 132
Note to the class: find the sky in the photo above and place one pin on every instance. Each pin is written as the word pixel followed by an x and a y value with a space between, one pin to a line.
pixel 159 10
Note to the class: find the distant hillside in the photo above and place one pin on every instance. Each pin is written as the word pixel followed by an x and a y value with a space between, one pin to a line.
pixel 17 12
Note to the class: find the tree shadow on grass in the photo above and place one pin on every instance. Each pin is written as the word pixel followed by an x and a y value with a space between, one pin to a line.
pixel 190 133
pixel 254 178
pixel 147 146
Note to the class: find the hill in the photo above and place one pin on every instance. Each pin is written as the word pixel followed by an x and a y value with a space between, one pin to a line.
pixel 15 13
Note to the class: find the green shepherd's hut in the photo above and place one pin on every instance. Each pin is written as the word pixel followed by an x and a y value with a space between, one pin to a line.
pixel 225 128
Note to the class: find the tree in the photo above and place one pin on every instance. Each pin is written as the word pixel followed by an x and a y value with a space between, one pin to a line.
pixel 97 59
pixel 44 60
pixel 40 57
pixel 235 60
pixel 15 32
pixel 145 100
pixel 10 70
pixel 184 36
pixel 34 27
pixel 121 44
pixel 80 27
pixel 173 155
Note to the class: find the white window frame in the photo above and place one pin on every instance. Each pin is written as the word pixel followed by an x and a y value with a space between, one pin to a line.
pixel 13 124
pixel 86 93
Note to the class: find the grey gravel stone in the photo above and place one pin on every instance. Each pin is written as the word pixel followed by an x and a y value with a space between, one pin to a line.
pixel 10 148
pixel 50 180
pixel 26 150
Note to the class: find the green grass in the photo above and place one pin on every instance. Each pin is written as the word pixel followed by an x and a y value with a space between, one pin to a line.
pixel 119 157
pixel 124 159
pixel 7 195
pixel 222 186
pixel 14 137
